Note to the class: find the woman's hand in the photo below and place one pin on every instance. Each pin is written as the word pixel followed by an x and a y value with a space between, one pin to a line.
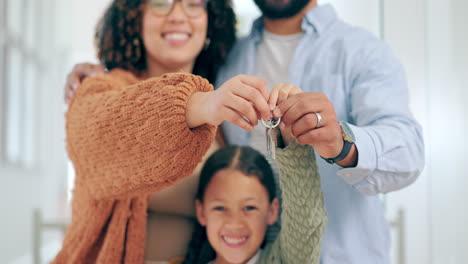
pixel 280 93
pixel 241 100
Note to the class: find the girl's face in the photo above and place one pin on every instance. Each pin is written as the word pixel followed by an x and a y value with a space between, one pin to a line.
pixel 173 41
pixel 236 212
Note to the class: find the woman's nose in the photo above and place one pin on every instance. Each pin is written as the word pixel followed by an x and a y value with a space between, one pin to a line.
pixel 177 13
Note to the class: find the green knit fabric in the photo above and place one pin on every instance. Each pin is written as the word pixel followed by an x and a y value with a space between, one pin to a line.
pixel 303 217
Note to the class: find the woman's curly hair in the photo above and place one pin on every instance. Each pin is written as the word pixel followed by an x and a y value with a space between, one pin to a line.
pixel 120 45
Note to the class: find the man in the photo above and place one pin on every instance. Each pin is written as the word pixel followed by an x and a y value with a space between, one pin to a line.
pixel 347 75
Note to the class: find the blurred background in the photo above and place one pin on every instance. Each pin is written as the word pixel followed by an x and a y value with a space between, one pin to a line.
pixel 40 41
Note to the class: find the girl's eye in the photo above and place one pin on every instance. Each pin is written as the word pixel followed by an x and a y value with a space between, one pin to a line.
pixel 250 208
pixel 219 208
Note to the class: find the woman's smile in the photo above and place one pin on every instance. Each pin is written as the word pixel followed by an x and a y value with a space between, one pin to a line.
pixel 176 38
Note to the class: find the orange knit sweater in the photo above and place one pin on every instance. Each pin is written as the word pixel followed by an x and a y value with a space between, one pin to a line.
pixel 127 139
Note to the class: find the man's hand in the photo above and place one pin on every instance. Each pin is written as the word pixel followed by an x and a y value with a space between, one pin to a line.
pixel 298 114
pixel 239 97
pixel 77 75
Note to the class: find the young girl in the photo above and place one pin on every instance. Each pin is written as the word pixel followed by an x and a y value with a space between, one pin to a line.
pixel 236 202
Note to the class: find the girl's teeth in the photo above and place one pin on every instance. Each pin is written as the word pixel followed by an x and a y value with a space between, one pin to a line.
pixel 234 241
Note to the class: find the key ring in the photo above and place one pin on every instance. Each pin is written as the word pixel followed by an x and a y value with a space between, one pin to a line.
pixel 272 123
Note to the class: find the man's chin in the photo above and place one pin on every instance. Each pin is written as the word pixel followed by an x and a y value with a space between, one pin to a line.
pixel 278 9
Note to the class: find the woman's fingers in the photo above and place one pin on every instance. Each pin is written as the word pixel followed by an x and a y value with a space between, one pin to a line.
pixel 252 95
pixel 243 107
pixel 251 89
pixel 256 83
pixel 234 117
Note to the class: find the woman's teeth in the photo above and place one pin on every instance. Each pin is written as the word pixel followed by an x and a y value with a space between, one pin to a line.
pixel 176 36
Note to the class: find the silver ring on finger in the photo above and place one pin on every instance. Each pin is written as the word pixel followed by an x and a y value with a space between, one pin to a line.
pixel 319 120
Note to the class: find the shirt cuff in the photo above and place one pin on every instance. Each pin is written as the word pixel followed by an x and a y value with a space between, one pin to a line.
pixel 367 160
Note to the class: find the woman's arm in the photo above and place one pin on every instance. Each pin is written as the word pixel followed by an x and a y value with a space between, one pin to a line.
pixel 127 140
pixel 303 216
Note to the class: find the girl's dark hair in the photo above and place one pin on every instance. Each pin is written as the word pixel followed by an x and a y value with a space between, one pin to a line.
pixel 248 161
pixel 120 44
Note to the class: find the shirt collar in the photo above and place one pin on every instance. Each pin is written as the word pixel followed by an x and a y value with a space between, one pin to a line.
pixel 315 20
pixel 319 18
pixel 255 258
pixel 252 260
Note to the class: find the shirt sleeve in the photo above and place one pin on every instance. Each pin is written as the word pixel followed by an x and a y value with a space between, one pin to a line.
pixel 303 218
pixel 127 140
pixel 388 139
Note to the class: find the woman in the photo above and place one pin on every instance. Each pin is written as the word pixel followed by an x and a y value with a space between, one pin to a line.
pixel 137 130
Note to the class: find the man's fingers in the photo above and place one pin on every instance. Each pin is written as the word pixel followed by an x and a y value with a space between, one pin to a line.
pixel 78 74
pixel 298 105
pixel 305 123
pixel 299 109
pixel 284 93
pixel 311 137
pixel 273 100
pixel 84 70
pixel 96 70
pixel 73 81
pixel 282 108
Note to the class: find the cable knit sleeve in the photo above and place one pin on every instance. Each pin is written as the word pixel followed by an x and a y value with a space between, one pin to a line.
pixel 303 218
pixel 127 140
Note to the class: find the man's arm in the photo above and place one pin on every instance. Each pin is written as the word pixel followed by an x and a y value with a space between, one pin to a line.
pixel 80 72
pixel 388 138
pixel 389 151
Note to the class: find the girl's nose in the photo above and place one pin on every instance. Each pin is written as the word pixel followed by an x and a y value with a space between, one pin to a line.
pixel 235 220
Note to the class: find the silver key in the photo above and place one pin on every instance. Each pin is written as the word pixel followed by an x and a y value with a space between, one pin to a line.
pixel 270 136
pixel 268 141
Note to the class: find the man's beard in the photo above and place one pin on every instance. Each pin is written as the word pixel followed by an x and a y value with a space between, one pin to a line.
pixel 276 9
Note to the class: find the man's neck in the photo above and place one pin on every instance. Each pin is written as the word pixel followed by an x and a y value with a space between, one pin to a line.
pixel 288 26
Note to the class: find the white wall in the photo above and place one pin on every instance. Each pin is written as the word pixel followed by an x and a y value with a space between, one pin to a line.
pixel 67 38
pixel 405 32
pixel 448 84
pixel 361 13
pixel 246 12
pixel 35 186
pixel 430 38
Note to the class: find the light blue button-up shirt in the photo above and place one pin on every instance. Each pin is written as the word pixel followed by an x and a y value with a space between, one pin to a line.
pixel 367 87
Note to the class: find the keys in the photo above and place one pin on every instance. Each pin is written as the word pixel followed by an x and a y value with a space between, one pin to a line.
pixel 271 135
pixel 270 143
